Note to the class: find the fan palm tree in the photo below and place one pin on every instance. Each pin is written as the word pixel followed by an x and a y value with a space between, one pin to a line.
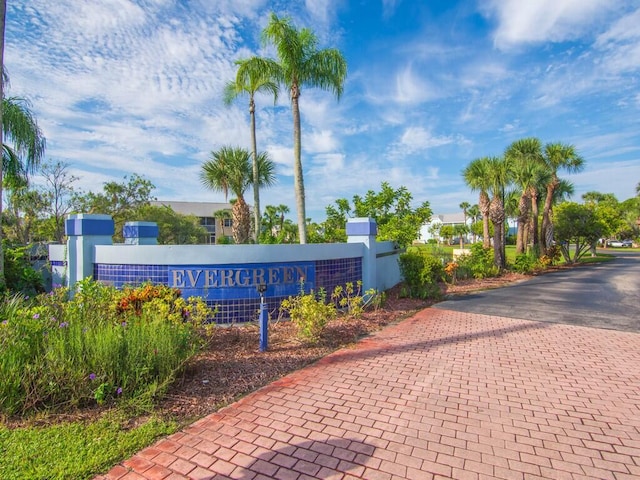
pixel 474 213
pixel 557 156
pixel 476 176
pixel 254 75
pixel 499 177
pixel 23 146
pixel 302 64
pixel 525 156
pixel 230 169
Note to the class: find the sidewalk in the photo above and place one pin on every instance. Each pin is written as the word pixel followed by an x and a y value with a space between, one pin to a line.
pixel 441 395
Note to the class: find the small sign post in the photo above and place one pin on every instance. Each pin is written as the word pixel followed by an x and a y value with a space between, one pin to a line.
pixel 264 319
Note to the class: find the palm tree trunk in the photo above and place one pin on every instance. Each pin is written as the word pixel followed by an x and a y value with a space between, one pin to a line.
pixel 497 217
pixel 534 223
pixel 3 14
pixel 483 204
pixel 546 236
pixel 241 221
pixel 256 192
pixel 523 216
pixel 298 182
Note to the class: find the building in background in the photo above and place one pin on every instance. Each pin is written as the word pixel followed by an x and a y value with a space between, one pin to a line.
pixel 430 229
pixel 214 217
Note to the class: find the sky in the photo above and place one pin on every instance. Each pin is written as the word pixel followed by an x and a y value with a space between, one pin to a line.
pixel 123 87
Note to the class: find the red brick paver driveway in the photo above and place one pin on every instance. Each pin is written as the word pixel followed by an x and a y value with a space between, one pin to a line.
pixel 441 395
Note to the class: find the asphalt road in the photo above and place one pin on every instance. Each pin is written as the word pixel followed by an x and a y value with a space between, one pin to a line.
pixel 603 295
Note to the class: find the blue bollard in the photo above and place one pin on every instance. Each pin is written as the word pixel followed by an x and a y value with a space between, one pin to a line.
pixel 264 325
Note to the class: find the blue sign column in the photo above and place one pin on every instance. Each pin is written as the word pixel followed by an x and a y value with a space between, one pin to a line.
pixel 85 231
pixel 364 230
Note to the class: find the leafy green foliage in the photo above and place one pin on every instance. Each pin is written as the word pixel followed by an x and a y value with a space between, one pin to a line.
pixel 57 353
pixel 578 225
pixel 524 263
pixel 19 273
pixel 396 219
pixel 310 313
pixel 348 298
pixel 173 228
pixel 120 200
pixel 479 264
pixel 421 273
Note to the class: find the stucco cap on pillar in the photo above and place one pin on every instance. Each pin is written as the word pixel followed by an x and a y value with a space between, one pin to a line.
pixel 361 226
pixel 89 224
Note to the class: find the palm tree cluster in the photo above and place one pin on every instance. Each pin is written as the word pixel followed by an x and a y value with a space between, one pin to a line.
pixel 299 63
pixel 517 184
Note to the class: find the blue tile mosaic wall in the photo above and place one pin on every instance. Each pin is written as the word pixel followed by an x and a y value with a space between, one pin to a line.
pixel 232 291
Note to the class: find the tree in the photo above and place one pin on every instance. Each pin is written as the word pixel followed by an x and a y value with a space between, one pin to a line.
pixel 607 211
pixel 335 224
pixel 474 213
pixel 254 75
pixel 464 206
pixel 230 169
pixel 58 192
pixel 476 176
pixel 173 228
pixel 576 224
pixel 499 174
pixel 23 143
pixel 120 200
pixel 23 215
pixel 391 209
pixel 300 63
pixel 557 156
pixel 525 158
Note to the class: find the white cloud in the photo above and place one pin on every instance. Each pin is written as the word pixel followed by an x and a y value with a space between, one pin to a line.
pixel 543 20
pixel 418 138
pixel 320 142
pixel 412 88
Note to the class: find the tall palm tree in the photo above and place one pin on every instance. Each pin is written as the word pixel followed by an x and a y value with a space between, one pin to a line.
pixel 476 176
pixel 525 156
pixel 229 169
pixel 302 64
pixel 557 156
pixel 474 213
pixel 254 75
pixel 23 146
pixel 499 177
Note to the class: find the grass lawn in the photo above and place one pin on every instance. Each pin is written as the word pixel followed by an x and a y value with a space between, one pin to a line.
pixel 76 450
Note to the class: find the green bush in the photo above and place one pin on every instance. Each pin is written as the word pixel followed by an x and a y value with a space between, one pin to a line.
pixel 57 353
pixel 524 263
pixel 20 276
pixel 479 263
pixel 310 313
pixel 421 272
pixel 347 299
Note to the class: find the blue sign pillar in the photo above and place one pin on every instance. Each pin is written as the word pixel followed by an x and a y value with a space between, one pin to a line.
pixel 140 233
pixel 84 231
pixel 364 230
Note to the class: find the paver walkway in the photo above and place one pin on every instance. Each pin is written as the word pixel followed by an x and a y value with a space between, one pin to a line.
pixel 441 395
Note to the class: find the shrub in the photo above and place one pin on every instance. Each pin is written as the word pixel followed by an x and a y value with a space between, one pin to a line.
pixel 480 262
pixel 57 352
pixel 310 312
pixel 421 272
pixel 524 263
pixel 20 276
pixel 348 299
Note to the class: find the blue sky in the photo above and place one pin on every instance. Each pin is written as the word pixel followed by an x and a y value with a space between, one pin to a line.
pixel 134 86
